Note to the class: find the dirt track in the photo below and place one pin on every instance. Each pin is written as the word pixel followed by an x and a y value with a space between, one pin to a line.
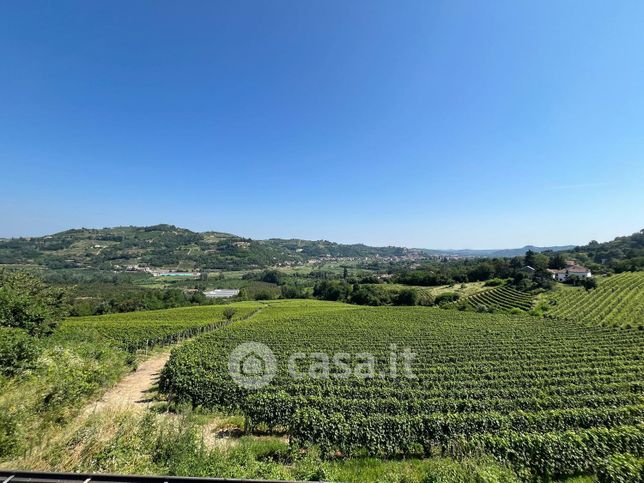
pixel 134 391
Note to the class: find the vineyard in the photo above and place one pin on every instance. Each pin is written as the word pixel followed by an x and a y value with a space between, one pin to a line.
pixel 500 299
pixel 139 330
pixel 518 388
pixel 618 300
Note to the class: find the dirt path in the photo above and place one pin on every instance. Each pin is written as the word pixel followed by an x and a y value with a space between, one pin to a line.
pixel 135 390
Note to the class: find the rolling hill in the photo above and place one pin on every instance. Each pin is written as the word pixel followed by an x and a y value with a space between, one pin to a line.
pixel 173 247
pixel 170 246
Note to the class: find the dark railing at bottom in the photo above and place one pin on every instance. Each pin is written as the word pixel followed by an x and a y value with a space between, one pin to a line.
pixel 9 476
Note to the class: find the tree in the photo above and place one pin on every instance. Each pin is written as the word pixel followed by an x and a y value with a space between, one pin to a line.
pixel 589 283
pixel 293 292
pixel 27 303
pixel 272 276
pixel 540 262
pixel 482 271
pixel 557 262
pixel 529 258
pixel 332 290
pixel 369 295
pixel 407 297
pixel 516 263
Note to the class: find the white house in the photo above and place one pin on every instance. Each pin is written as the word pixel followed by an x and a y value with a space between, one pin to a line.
pixel 222 293
pixel 571 270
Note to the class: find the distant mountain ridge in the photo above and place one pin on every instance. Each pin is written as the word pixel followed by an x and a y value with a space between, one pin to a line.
pixel 497 253
pixel 173 247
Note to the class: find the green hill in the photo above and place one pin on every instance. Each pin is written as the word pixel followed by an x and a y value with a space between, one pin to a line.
pixel 167 246
pixel 623 254
pixel 171 247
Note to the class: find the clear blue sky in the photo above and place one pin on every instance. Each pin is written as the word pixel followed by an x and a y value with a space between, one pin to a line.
pixel 428 123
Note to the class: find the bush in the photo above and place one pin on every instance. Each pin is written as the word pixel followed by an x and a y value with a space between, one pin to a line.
pixel 69 377
pixel 27 303
pixel 293 292
pixel 9 431
pixel 369 295
pixel 407 297
pixel 18 351
pixel 494 282
pixel 446 297
pixel 589 283
pixel 334 290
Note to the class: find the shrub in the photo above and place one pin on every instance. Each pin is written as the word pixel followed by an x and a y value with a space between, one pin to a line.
pixel 334 290
pixel 18 351
pixel 494 282
pixel 407 297
pixel 446 297
pixel 70 376
pixel 369 295
pixel 27 303
pixel 293 292
pixel 589 283
pixel 9 441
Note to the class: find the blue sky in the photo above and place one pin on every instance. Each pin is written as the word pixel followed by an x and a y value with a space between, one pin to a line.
pixel 429 124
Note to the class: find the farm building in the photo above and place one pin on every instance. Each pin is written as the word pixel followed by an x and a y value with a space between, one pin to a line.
pixel 571 270
pixel 222 293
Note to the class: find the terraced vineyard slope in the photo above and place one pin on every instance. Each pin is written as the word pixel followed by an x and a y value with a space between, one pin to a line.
pixel 500 298
pixel 618 301
pixel 521 389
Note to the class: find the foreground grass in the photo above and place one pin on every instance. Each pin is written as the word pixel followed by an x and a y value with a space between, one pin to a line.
pixel 35 405
pixel 135 443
